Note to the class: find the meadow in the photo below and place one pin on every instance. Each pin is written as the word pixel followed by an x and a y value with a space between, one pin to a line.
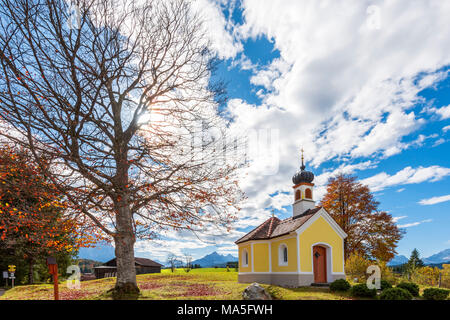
pixel 205 283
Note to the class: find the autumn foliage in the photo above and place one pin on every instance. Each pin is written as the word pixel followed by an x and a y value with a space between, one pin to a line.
pixel 33 216
pixel 126 108
pixel 371 233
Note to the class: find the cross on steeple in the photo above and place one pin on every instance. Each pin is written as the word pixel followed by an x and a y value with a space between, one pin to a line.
pixel 303 158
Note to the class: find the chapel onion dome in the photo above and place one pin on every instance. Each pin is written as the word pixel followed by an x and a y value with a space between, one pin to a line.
pixel 303 175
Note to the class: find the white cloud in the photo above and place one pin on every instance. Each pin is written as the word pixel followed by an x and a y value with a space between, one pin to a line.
pixel 397 124
pixel 413 224
pixel 395 219
pixel 446 128
pixel 407 175
pixel 266 76
pixel 219 29
pixel 435 200
pixel 340 88
pixel 439 142
pixel 232 249
pixel 213 238
pixel 243 62
pixel 443 112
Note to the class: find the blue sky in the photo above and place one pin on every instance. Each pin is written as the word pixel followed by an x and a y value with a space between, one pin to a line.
pixel 429 230
pixel 362 86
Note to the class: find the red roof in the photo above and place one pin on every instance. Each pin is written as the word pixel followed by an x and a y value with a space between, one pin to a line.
pixel 274 227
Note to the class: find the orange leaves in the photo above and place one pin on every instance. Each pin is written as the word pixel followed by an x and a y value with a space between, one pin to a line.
pixel 31 207
pixel 355 209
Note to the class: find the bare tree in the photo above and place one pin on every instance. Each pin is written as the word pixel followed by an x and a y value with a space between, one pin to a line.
pixel 187 262
pixel 118 93
pixel 172 261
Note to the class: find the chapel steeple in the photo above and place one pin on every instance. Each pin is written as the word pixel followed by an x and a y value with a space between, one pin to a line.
pixel 303 187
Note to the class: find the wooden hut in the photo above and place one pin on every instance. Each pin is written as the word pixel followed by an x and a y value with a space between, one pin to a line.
pixel 143 265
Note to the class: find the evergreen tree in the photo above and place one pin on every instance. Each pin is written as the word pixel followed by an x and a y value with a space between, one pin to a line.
pixel 415 261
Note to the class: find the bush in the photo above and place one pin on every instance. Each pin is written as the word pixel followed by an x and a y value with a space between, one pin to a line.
pixel 361 290
pixel 275 292
pixel 356 266
pixel 435 294
pixel 396 294
pixel 411 287
pixel 385 285
pixel 386 272
pixel 445 281
pixel 340 285
pixel 426 275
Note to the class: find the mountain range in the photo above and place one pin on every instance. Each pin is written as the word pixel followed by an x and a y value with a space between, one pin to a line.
pixel 215 259
pixel 438 258
pixel 397 260
pixel 105 253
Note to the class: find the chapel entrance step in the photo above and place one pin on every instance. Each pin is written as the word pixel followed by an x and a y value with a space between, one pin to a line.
pixel 320 284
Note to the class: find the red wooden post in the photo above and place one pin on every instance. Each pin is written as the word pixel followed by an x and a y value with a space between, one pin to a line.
pixel 53 269
pixel 55 281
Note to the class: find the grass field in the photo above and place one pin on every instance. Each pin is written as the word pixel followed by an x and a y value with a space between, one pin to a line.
pixel 214 283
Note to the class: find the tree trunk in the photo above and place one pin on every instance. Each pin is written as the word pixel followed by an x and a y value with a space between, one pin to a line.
pixel 346 253
pixel 124 241
pixel 30 271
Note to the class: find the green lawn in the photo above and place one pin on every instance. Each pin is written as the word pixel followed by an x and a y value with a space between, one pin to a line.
pixel 213 283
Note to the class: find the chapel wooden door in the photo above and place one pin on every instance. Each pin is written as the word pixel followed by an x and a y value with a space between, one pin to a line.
pixel 320 264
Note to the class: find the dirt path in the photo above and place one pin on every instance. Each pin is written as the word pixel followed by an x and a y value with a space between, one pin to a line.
pixel 2 291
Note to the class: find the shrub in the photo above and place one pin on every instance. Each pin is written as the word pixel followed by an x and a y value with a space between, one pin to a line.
pixel 427 275
pixel 275 292
pixel 385 285
pixel 386 272
pixel 340 285
pixel 445 281
pixel 356 266
pixel 411 287
pixel 435 294
pixel 361 290
pixel 396 294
